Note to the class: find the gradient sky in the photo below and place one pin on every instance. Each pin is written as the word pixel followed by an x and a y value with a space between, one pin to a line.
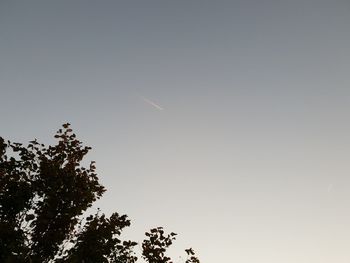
pixel 246 155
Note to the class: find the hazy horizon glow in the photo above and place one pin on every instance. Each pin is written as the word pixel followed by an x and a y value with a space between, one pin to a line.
pixel 226 122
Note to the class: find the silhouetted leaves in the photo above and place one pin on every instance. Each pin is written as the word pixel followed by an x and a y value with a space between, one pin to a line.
pixel 191 256
pixel 154 248
pixel 102 233
pixel 43 193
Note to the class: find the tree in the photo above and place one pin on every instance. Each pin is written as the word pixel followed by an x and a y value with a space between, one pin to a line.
pixel 44 193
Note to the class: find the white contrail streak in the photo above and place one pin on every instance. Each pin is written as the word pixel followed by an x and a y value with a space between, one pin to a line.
pixel 330 188
pixel 152 103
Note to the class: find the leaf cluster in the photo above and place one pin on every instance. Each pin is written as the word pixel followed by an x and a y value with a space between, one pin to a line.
pixel 44 192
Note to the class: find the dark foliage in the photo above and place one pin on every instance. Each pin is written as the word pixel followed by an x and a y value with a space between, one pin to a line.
pixel 44 192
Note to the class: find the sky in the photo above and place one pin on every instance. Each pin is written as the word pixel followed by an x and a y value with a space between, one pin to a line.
pixel 226 122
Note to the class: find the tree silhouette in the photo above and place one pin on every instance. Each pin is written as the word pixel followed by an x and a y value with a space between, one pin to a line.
pixel 44 192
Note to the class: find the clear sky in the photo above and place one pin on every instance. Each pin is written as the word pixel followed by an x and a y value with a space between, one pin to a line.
pixel 224 121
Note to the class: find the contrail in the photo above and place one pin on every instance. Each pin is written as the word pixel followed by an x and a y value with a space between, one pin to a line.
pixel 330 188
pixel 151 103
